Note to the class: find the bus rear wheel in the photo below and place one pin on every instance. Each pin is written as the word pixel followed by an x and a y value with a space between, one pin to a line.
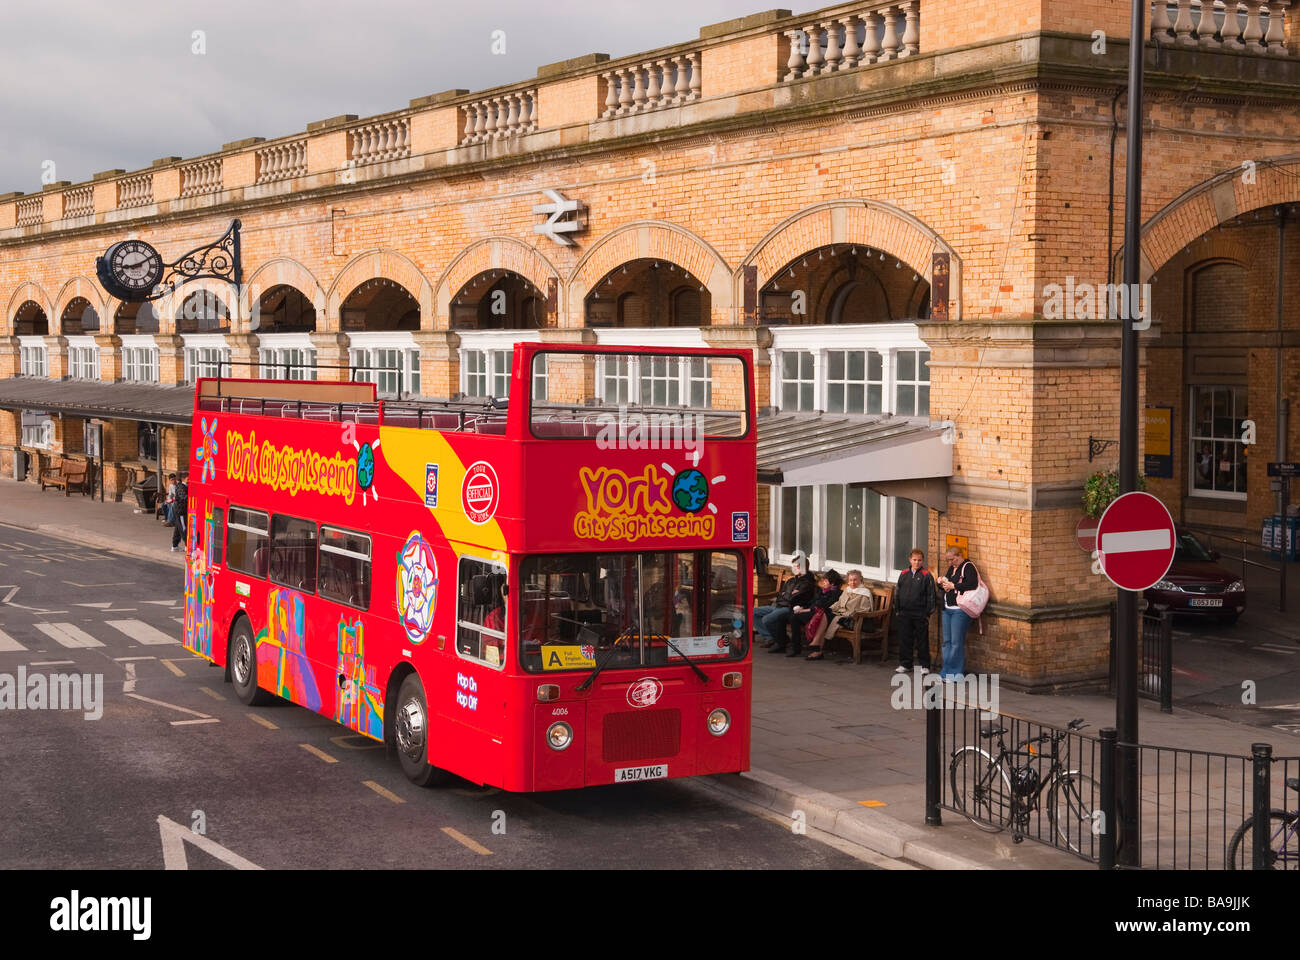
pixel 411 731
pixel 242 657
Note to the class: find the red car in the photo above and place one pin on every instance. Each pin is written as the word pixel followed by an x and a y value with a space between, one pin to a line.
pixel 1196 584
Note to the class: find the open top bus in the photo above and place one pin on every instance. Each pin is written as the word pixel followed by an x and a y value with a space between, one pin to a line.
pixel 541 593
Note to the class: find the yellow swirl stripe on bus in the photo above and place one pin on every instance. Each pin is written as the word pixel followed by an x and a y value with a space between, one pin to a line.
pixel 408 452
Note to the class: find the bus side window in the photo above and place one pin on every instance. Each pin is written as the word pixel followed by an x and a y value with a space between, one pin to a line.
pixel 481 611
pixel 217 534
pixel 345 567
pixel 293 553
pixel 247 541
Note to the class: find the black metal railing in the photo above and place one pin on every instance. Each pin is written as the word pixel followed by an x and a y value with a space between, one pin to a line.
pixel 1197 810
pixel 1032 780
pixel 1155 676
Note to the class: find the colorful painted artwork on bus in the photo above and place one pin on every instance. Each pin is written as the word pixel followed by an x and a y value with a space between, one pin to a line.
pixel 417 582
pixel 198 587
pixel 359 703
pixel 282 665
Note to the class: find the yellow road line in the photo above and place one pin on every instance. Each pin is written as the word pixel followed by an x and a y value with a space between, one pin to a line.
pixel 472 844
pixel 262 720
pixel 318 752
pixel 873 803
pixel 383 792
pixel 212 693
pixel 173 668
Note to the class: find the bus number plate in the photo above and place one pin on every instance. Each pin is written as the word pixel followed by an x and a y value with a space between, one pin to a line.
pixel 630 774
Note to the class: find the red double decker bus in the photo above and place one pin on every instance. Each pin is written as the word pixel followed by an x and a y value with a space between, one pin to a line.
pixel 539 594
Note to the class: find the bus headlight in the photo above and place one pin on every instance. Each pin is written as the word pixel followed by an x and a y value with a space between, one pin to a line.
pixel 559 735
pixel 719 722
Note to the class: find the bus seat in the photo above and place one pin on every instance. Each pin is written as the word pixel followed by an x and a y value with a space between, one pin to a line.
pixel 490 426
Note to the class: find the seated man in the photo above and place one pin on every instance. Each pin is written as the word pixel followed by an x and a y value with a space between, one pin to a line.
pixel 771 623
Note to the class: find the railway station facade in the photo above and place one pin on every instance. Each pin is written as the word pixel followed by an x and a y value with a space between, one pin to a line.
pixel 903 210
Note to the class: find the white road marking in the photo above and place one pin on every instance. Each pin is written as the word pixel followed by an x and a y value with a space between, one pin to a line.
pixel 1135 541
pixel 125 659
pixel 181 723
pixel 52 663
pixel 10 595
pixel 128 683
pixel 34 573
pixel 140 631
pixel 212 693
pixel 163 603
pixel 170 706
pixel 179 619
pixel 174 838
pixel 1272 649
pixel 9 645
pixel 68 635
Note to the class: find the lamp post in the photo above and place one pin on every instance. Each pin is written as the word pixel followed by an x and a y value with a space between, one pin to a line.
pixel 1126 712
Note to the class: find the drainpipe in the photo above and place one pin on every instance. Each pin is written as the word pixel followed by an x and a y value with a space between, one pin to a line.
pixel 1281 405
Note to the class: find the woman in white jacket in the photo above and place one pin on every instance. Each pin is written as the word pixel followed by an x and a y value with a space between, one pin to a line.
pixel 855 599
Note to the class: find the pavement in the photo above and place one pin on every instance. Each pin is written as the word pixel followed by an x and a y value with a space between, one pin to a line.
pixel 828 748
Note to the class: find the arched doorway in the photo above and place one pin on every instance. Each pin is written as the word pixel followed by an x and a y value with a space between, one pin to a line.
pixel 648 292
pixel 1226 357
pixel 284 318
pixel 379 317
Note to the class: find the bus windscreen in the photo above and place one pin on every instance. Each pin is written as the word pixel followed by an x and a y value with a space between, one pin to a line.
pixel 622 609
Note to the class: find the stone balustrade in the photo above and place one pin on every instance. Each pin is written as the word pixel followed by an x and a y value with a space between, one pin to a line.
pixel 875 35
pixel 281 161
pixel 135 191
pixel 1251 27
pixel 380 141
pixel 742 56
pixel 494 118
pixel 31 210
pixel 652 85
pixel 79 202
pixel 200 177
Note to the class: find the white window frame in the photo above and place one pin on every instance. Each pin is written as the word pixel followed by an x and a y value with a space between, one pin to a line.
pixel 139 358
pixel 1194 441
pixel 369 362
pixel 817 550
pixel 83 358
pixel 203 355
pixel 846 381
pixel 886 339
pixel 277 349
pixel 37 428
pixel 915 384
pixel 34 357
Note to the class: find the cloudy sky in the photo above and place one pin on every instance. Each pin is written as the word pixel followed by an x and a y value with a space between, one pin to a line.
pixel 93 85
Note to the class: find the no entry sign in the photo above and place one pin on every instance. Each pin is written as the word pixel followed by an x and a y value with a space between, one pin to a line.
pixel 1135 541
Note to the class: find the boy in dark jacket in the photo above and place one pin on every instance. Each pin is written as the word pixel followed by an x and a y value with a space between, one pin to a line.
pixel 771 623
pixel 914 602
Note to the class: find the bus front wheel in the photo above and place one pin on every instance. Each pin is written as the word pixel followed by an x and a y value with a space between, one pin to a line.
pixel 411 731
pixel 242 658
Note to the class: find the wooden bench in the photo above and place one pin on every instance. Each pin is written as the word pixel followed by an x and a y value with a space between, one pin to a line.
pixel 873 625
pixel 68 474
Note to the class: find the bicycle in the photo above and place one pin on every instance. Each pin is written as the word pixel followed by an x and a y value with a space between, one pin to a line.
pixel 997 792
pixel 1283 844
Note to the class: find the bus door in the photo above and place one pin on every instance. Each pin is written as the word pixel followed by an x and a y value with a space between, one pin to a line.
pixel 205 618
pixel 476 687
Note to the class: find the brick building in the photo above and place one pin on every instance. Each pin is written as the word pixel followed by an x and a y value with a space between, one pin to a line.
pixel 876 199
